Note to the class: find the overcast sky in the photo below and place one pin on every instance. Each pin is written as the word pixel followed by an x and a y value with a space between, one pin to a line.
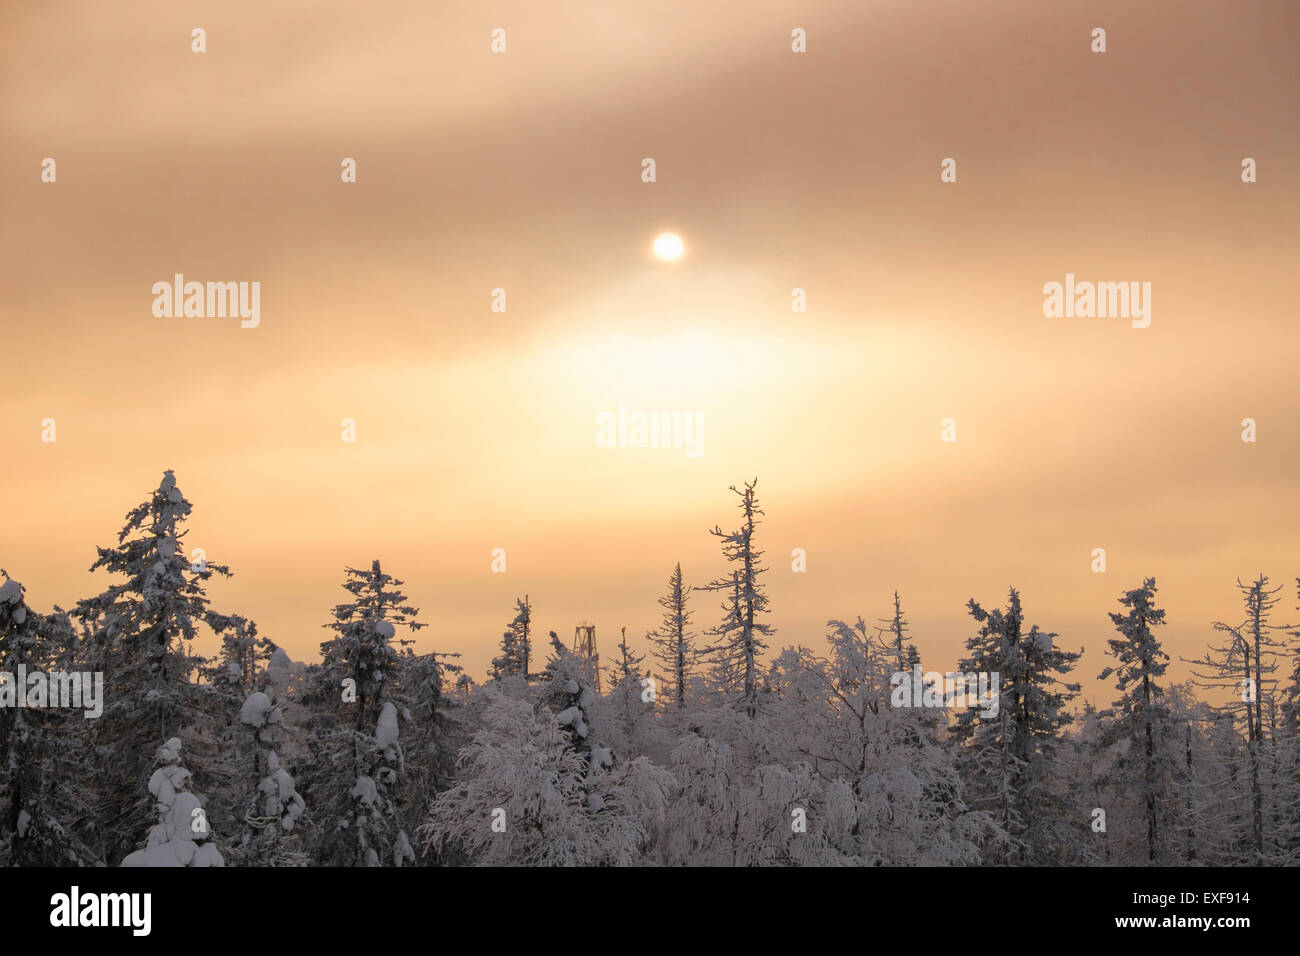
pixel 522 171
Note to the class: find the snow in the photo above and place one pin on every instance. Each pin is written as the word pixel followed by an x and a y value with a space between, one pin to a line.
pixel 11 592
pixel 163 854
pixel 365 790
pixel 255 709
pixel 181 819
pixel 402 849
pixel 170 752
pixel 284 785
pixel 282 799
pixel 386 733
pixel 207 855
pixel 166 782
pixel 385 629
pixel 24 818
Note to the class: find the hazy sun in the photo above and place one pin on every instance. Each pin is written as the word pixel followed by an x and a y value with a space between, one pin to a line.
pixel 668 246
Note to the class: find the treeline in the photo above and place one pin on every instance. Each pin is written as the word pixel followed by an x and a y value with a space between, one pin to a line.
pixel 713 752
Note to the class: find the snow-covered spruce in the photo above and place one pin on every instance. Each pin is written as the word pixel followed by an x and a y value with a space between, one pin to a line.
pixel 181 837
pixel 515 659
pixel 739 636
pixel 674 643
pixel 273 809
pixel 356 704
pixel 140 632
pixel 42 751
pixel 1009 763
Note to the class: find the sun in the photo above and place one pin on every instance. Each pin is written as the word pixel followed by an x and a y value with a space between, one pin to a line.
pixel 669 247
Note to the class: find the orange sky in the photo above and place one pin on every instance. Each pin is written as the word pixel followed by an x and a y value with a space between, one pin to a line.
pixel 522 170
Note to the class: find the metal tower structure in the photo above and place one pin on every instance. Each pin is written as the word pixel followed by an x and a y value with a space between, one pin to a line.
pixel 584 646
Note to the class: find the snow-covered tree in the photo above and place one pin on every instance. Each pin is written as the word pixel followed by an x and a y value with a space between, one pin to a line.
pixel 1243 667
pixel 242 659
pixel 1086 780
pixel 355 705
pixel 537 788
pixel 627 716
pixel 905 655
pixel 141 631
pixel 567 691
pixel 725 813
pixel 509 662
pixel 434 732
pixel 1291 691
pixel 1008 761
pixel 515 658
pixel 43 788
pixel 628 664
pixel 531 792
pixel 1142 720
pixel 739 637
pixel 181 837
pixel 839 716
pixel 673 642
pixel 273 807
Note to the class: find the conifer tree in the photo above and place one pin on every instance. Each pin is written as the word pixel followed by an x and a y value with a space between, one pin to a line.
pixel 508 662
pixel 1008 760
pixel 1141 717
pixel 43 787
pixel 271 805
pixel 516 644
pixel 182 836
pixel 628 665
pixel 740 635
pixel 435 732
pixel 1244 666
pixel 537 788
pixel 141 631
pixel 673 641
pixel 522 626
pixel 355 702
pixel 905 656
pixel 1291 692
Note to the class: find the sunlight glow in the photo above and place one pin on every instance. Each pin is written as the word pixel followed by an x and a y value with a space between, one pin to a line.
pixel 669 246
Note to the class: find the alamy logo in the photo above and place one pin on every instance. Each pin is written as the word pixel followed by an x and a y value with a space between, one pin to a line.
pixel 198 300
pixel 1103 300
pixel 38 690
pixel 972 689
pixel 102 909
pixel 634 429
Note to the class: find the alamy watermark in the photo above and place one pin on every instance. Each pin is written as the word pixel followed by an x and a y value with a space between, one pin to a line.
pixel 198 300
pixel 58 689
pixel 971 689
pixel 636 429
pixel 1101 300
